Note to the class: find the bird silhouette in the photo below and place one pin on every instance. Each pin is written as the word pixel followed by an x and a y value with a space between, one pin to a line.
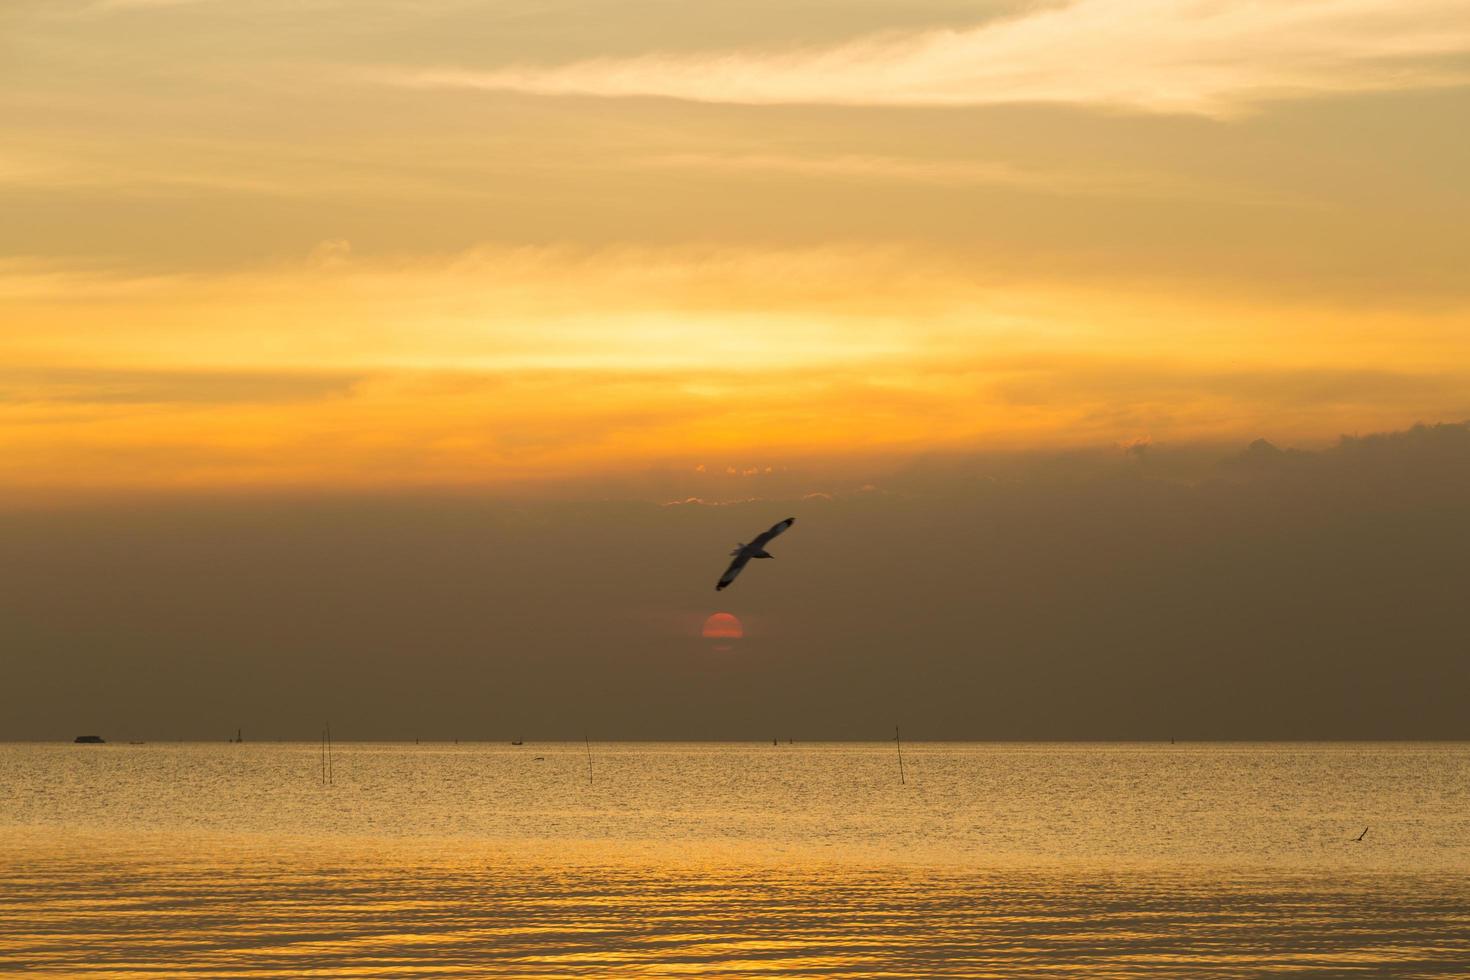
pixel 756 549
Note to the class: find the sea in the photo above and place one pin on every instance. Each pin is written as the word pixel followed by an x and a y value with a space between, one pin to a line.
pixel 674 860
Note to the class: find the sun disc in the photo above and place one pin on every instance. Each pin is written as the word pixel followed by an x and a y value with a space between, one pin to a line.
pixel 722 626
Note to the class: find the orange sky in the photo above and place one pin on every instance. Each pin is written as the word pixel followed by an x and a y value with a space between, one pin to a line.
pixel 466 244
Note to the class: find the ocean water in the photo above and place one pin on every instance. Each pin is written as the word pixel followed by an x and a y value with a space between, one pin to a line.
pixel 717 860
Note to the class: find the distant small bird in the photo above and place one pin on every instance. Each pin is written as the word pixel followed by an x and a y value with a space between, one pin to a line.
pixel 756 549
pixel 1359 838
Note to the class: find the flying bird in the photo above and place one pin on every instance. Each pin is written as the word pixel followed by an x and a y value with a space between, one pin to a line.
pixel 756 549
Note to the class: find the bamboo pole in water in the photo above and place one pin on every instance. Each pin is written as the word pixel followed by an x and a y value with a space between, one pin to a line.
pixel 899 744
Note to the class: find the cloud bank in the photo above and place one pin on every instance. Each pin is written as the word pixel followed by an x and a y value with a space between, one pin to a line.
pixel 1187 591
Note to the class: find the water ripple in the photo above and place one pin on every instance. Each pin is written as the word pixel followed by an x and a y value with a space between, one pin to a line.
pixel 729 861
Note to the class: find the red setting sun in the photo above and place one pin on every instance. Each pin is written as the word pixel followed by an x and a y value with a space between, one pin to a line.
pixel 722 626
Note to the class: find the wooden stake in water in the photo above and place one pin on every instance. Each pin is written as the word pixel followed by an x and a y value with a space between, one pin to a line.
pixel 324 757
pixel 331 776
pixel 899 744
pixel 589 757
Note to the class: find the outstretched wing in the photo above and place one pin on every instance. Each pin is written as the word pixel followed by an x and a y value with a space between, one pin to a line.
pixel 732 571
pixel 775 530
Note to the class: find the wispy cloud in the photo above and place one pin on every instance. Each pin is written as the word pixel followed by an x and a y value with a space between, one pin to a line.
pixel 181 388
pixel 106 5
pixel 969 173
pixel 1210 57
pixel 867 167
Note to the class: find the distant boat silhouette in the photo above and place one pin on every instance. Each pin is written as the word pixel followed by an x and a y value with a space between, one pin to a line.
pixel 1358 839
pixel 517 742
pixel 89 740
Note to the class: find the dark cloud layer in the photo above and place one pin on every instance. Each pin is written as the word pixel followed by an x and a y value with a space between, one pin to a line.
pixel 1146 593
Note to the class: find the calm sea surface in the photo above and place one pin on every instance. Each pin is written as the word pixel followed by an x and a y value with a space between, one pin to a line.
pixel 684 860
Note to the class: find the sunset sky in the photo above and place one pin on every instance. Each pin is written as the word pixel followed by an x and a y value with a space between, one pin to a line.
pixel 383 244
pixel 422 361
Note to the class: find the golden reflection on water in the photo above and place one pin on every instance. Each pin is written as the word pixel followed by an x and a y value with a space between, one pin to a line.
pixel 729 861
